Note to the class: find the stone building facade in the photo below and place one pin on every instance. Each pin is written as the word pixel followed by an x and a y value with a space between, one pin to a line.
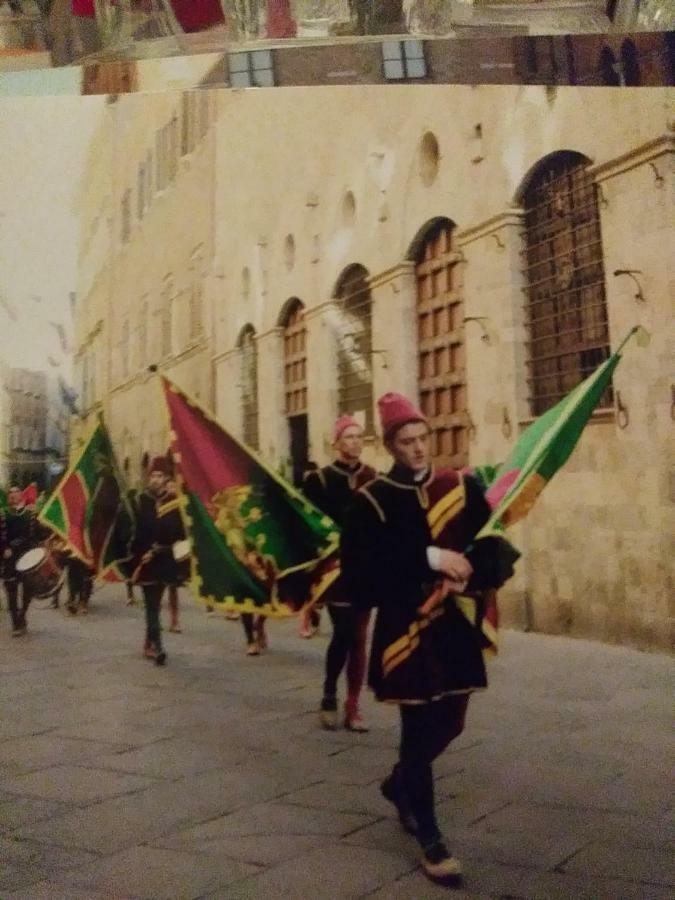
pixel 27 420
pixel 464 245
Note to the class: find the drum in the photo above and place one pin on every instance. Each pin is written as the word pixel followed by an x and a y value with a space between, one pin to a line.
pixel 181 551
pixel 39 571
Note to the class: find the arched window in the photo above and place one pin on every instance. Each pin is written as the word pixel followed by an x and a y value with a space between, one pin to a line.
pixel 565 279
pixel 354 358
pixel 295 382
pixel 440 334
pixel 629 64
pixel 249 387
pixel 295 358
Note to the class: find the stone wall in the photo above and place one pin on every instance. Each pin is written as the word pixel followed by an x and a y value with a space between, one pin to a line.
pixel 597 549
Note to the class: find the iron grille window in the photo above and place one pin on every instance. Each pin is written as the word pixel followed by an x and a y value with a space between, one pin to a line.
pixel 295 361
pixel 251 69
pixel 403 59
pixel 249 388
pixel 441 353
pixel 354 357
pixel 565 281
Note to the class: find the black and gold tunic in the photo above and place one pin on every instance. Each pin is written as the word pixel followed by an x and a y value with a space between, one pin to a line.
pixel 19 532
pixel 331 489
pixel 159 526
pixel 414 658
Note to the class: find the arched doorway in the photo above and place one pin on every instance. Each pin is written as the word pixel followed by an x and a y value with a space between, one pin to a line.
pixel 292 321
pixel 249 386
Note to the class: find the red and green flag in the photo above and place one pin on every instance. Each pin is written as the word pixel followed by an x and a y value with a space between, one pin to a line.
pixel 89 509
pixel 546 445
pixel 30 494
pixel 254 537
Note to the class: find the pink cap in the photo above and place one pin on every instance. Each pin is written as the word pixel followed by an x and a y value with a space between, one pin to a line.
pixel 397 411
pixel 342 424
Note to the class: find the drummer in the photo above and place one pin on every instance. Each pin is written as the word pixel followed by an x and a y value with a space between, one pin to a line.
pixel 19 532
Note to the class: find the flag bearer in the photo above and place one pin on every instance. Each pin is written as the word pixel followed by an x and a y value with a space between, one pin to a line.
pixel 402 552
pixel 152 548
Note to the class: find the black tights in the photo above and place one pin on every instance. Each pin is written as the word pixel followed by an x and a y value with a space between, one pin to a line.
pixel 251 623
pixel 15 589
pixel 347 647
pixel 152 597
pixel 426 730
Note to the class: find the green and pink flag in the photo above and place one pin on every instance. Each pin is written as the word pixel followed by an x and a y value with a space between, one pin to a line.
pixel 545 446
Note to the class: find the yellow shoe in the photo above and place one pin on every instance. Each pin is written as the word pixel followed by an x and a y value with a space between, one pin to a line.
pixel 440 865
pixel 328 719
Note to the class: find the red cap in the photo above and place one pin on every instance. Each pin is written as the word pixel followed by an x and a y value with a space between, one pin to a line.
pixel 397 411
pixel 160 464
pixel 342 424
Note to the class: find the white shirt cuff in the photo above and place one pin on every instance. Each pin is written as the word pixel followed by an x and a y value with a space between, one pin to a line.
pixel 434 558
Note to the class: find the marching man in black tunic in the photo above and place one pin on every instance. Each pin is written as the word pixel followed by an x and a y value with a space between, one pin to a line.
pixel 402 551
pixel 158 527
pixel 19 532
pixel 330 489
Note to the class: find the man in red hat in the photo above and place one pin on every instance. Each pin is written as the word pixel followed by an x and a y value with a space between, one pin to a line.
pixel 157 529
pixel 403 551
pixel 331 489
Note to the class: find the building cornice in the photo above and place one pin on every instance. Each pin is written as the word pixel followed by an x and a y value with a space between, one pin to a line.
pixel 506 219
pixel 226 355
pixel 315 311
pixel 407 267
pixel 638 156
pixel 276 331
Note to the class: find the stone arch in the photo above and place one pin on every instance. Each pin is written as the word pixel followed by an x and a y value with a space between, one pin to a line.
pixel 423 233
pixel 534 171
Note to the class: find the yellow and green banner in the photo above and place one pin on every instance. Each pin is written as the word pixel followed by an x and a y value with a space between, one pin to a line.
pixel 254 537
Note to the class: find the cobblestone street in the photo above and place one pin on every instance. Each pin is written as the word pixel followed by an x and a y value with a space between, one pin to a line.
pixel 210 778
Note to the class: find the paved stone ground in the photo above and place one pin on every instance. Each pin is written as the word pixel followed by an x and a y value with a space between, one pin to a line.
pixel 210 778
